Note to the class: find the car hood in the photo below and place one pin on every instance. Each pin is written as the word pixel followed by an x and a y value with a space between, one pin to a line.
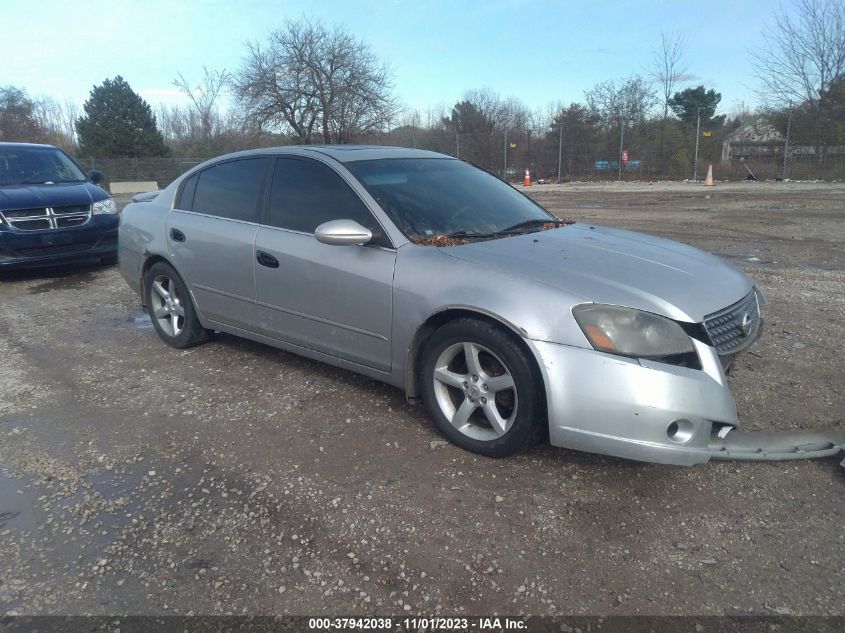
pixel 33 196
pixel 618 267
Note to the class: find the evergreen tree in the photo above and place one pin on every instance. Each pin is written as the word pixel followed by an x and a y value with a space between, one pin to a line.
pixel 687 103
pixel 118 122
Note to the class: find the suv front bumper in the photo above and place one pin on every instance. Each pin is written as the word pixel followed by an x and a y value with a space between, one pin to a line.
pixel 96 239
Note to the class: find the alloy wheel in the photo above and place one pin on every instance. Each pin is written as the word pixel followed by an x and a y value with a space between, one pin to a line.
pixel 167 305
pixel 475 391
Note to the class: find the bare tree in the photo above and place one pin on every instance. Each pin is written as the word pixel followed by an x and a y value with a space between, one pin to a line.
pixel 620 104
pixel 668 65
pixel 18 116
pixel 205 99
pixel 803 56
pixel 802 61
pixel 57 120
pixel 311 78
pixel 627 102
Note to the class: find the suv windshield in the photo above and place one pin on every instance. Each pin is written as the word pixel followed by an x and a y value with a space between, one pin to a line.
pixel 428 197
pixel 37 165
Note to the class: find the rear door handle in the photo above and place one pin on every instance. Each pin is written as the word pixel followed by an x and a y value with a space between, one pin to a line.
pixel 176 235
pixel 266 259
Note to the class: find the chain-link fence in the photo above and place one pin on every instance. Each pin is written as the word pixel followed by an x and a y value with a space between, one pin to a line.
pixel 565 157
pixel 161 170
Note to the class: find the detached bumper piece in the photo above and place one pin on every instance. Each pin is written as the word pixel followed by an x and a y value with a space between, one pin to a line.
pixel 773 446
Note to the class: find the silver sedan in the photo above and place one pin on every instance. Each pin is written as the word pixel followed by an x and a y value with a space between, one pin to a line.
pixel 426 273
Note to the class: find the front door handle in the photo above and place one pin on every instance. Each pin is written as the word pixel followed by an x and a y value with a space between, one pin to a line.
pixel 176 235
pixel 266 259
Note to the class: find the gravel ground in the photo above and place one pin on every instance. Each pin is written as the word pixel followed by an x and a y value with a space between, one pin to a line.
pixel 235 478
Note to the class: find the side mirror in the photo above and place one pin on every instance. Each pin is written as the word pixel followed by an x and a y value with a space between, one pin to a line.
pixel 342 233
pixel 95 176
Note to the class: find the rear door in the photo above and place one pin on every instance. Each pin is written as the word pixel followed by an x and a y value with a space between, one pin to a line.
pixel 332 299
pixel 211 233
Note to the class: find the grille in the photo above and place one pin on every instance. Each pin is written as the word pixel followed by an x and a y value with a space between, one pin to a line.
pixel 36 251
pixel 47 217
pixel 734 328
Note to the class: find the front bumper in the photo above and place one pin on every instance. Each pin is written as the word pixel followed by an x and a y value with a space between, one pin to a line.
pixel 636 409
pixel 97 238
pixel 654 412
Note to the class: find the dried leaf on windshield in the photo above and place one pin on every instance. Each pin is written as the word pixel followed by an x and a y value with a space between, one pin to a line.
pixel 439 240
pixel 554 225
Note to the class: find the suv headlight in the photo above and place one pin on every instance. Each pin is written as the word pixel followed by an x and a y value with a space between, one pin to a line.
pixel 635 333
pixel 105 207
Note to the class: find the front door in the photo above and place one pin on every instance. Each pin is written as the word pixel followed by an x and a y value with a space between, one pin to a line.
pixel 332 299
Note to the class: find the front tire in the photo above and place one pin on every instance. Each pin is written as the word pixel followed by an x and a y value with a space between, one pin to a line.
pixel 171 309
pixel 482 389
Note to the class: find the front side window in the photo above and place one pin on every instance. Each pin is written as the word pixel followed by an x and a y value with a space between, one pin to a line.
pixel 304 194
pixel 428 197
pixel 37 166
pixel 232 189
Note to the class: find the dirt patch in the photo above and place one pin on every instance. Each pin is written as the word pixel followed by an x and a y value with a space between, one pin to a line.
pixel 233 477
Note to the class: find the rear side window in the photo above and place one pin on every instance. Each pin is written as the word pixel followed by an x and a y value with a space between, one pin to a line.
pixel 304 194
pixel 185 200
pixel 231 189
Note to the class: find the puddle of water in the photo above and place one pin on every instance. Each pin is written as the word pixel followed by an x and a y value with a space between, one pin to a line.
pixel 824 265
pixel 139 322
pixel 15 509
pixel 590 205
pixel 71 282
pixel 739 253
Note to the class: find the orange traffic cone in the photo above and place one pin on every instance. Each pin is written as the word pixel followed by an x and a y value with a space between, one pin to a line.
pixel 527 180
pixel 708 182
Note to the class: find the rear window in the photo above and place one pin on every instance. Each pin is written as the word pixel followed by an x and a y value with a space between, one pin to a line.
pixel 185 200
pixel 231 190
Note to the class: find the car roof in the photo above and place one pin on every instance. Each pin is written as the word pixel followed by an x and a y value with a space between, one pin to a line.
pixel 349 153
pixel 24 145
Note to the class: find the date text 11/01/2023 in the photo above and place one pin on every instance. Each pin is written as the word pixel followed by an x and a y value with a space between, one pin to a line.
pixel 417 624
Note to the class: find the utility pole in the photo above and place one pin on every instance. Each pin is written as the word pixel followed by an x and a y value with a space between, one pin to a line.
pixel 505 164
pixel 786 144
pixel 560 146
pixel 621 145
pixel 697 135
pixel 528 153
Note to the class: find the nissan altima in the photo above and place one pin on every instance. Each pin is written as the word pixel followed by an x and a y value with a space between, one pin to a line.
pixel 422 271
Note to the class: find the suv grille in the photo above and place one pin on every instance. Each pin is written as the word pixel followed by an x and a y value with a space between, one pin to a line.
pixel 47 217
pixel 734 328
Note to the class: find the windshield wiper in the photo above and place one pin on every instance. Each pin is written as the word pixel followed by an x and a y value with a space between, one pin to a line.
pixel 525 224
pixel 516 229
pixel 469 234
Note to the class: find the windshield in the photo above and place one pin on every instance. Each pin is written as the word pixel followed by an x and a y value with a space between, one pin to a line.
pixel 428 197
pixel 37 165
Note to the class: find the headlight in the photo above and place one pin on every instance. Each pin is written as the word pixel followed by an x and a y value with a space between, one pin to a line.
pixel 105 207
pixel 630 332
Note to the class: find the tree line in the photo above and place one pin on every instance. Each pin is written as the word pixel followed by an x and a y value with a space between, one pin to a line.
pixel 308 82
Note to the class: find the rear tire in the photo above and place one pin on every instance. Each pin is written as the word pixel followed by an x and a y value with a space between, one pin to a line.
pixel 482 389
pixel 171 309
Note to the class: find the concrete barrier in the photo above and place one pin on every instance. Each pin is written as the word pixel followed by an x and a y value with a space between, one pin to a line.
pixel 133 187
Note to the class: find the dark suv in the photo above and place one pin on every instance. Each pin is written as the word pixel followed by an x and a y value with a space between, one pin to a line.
pixel 51 211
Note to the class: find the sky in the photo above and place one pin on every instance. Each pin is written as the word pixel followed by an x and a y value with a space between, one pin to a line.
pixel 539 51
